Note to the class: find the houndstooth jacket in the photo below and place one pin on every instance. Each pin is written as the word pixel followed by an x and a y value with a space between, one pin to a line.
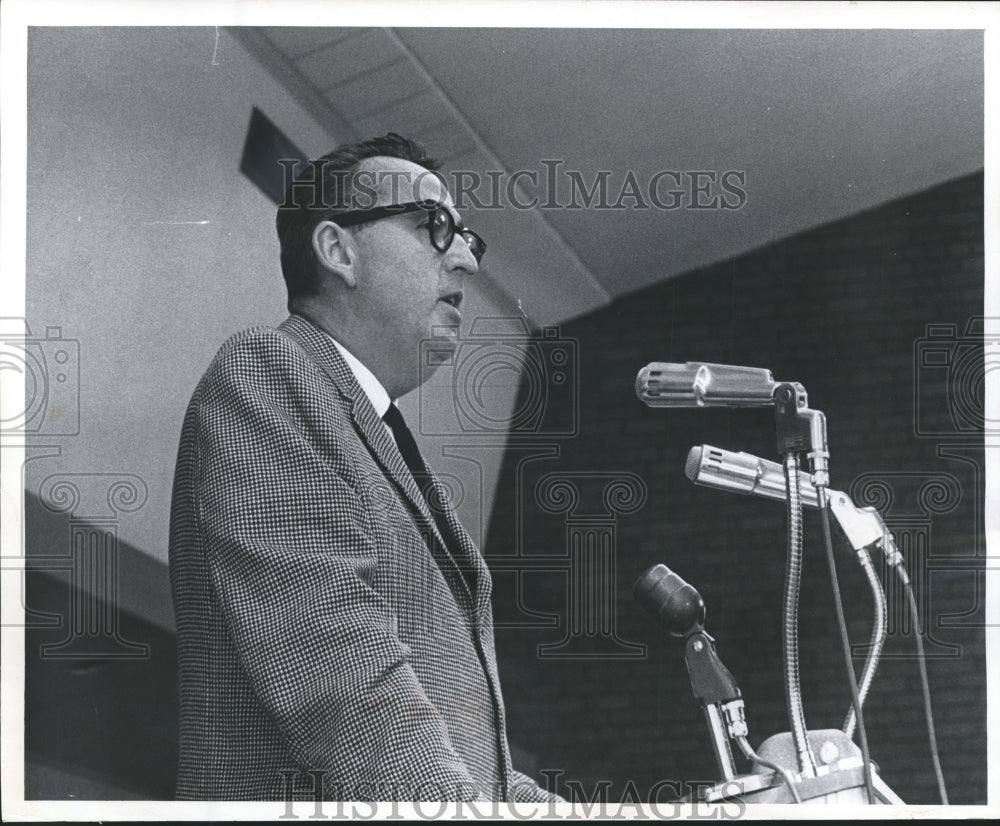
pixel 325 633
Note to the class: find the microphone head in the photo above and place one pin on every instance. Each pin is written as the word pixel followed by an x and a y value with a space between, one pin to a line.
pixel 693 464
pixel 675 606
pixel 698 384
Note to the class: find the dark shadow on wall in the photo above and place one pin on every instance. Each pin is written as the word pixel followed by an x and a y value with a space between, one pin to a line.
pixel 100 682
pixel 851 310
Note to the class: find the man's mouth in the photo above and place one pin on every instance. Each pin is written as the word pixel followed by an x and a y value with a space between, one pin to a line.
pixel 454 299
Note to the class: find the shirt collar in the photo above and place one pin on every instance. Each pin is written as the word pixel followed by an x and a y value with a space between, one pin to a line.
pixel 376 393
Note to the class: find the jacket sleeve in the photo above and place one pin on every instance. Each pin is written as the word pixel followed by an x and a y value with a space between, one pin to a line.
pixel 525 790
pixel 291 565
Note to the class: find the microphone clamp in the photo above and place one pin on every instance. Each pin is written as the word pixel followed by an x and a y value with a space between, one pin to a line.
pixel 801 430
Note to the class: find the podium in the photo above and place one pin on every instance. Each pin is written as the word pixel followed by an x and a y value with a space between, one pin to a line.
pixel 840 777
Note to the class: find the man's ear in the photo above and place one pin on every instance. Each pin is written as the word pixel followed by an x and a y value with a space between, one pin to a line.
pixel 335 251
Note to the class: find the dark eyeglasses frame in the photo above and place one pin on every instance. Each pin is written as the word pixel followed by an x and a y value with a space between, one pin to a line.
pixel 475 243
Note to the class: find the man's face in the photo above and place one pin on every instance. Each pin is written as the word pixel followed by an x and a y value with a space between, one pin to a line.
pixel 409 291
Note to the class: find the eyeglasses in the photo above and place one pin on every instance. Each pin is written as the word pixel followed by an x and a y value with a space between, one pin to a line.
pixel 441 227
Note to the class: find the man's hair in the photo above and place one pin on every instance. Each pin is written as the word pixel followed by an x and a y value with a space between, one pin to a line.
pixel 323 189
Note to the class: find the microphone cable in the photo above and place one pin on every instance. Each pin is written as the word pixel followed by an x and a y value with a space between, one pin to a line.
pixel 845 643
pixel 786 775
pixel 928 712
pixel 876 642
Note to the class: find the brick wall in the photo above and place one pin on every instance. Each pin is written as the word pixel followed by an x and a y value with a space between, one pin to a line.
pixel 841 309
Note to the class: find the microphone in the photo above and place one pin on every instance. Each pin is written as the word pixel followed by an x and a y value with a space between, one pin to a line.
pixel 744 473
pixel 696 384
pixel 674 604
pixel 678 608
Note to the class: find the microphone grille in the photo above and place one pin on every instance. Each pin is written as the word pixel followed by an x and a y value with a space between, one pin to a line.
pixel 693 464
pixel 676 606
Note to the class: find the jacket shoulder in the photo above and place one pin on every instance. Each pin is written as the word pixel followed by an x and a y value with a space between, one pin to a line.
pixel 260 357
pixel 263 368
pixel 255 345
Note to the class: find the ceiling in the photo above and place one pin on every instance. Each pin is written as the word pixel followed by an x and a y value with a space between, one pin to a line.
pixel 812 125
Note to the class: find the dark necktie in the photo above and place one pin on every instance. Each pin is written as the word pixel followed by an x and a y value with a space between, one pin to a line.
pixel 407 446
pixel 421 475
pixel 418 469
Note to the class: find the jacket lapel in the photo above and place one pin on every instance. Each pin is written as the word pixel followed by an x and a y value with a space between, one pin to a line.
pixel 468 554
pixel 373 432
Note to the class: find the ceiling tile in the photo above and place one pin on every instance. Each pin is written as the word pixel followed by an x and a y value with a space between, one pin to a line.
pixel 412 115
pixel 297 41
pixel 365 52
pixel 384 88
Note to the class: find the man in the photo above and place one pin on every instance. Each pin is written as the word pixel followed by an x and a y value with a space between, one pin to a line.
pixel 334 618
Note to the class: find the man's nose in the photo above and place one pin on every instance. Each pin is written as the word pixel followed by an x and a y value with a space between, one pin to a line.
pixel 460 257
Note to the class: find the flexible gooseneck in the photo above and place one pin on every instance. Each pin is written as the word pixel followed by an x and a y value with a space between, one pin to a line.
pixel 790 619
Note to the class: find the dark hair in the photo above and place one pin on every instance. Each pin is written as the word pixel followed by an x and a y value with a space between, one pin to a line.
pixel 323 189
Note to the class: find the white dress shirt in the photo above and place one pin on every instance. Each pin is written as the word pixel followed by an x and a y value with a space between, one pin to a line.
pixel 374 389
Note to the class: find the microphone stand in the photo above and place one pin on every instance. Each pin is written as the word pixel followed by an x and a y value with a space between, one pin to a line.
pixel 798 429
pixel 841 773
pixel 863 527
pixel 839 777
pixel 715 688
pixel 842 767
pixel 678 608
